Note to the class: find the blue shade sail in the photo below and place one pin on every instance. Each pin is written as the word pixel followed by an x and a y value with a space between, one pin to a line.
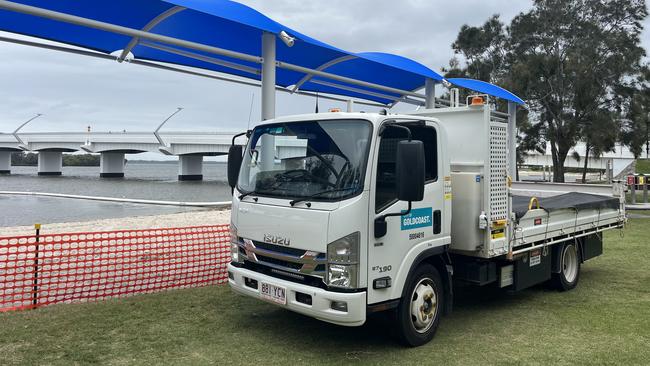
pixel 487 88
pixel 230 26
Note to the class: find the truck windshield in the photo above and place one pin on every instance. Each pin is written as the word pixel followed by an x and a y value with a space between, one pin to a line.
pixel 304 159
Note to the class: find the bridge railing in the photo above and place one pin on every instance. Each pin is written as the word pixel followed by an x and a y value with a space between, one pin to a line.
pixel 40 270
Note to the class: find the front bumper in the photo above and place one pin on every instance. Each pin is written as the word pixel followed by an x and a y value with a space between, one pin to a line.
pixel 320 307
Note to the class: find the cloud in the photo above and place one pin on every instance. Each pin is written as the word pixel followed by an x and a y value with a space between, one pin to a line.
pixel 419 29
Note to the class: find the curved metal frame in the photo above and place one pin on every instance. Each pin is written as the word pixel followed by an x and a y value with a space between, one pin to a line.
pixel 149 26
pixel 196 56
pixel 322 67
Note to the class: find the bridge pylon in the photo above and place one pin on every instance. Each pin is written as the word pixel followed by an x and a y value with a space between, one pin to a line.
pixel 5 162
pixel 50 162
pixel 111 165
pixel 190 167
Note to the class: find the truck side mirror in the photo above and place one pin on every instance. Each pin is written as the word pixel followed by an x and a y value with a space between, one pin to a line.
pixel 409 167
pixel 235 158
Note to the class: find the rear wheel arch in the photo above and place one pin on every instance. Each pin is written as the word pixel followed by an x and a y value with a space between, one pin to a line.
pixel 569 263
pixel 556 251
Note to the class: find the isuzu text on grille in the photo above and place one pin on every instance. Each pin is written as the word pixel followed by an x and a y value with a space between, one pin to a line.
pixel 275 239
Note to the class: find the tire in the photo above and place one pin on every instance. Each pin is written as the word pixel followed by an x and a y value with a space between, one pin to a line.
pixel 569 275
pixel 424 296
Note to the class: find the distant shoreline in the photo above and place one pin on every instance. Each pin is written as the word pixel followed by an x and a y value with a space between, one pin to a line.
pixel 183 219
pixel 170 162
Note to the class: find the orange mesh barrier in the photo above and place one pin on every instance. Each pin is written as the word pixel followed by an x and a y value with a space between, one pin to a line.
pixel 39 270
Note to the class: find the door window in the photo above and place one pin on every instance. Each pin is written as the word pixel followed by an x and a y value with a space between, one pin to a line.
pixel 386 193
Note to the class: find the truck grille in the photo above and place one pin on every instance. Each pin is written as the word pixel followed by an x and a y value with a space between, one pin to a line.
pixel 291 260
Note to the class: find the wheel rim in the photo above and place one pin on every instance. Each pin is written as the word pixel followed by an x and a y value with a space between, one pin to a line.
pixel 424 305
pixel 570 263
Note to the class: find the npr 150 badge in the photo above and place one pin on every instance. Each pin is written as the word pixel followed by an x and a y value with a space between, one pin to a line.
pixel 417 218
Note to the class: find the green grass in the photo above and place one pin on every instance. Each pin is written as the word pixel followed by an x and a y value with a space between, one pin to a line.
pixel 605 320
pixel 639 197
pixel 643 166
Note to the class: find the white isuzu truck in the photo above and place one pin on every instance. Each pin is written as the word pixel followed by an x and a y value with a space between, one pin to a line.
pixel 337 215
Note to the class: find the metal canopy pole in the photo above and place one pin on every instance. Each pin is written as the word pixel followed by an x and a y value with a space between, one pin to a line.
pixel 367 92
pixel 430 93
pixel 196 56
pixel 268 76
pixel 512 142
pixel 350 106
pixel 268 97
pixel 326 75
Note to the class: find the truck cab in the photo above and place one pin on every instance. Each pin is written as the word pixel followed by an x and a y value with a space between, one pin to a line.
pixel 312 191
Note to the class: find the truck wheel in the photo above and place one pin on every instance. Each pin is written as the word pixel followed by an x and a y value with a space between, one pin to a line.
pixel 569 274
pixel 419 311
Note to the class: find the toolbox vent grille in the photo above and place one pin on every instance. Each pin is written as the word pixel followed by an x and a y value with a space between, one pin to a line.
pixel 498 172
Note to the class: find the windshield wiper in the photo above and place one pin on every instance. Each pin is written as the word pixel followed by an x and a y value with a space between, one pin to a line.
pixel 293 202
pixel 247 194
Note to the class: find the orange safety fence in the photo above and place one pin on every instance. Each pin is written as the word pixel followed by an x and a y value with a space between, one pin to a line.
pixel 39 270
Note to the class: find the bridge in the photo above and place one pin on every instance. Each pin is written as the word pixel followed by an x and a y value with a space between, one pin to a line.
pixel 190 147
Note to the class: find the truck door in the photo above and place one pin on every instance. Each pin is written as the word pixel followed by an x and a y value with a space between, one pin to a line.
pixel 387 255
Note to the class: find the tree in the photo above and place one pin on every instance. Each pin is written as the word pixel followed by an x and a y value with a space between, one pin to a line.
pixel 24 159
pixel 483 49
pixel 31 159
pixel 568 59
pixel 599 135
pixel 636 125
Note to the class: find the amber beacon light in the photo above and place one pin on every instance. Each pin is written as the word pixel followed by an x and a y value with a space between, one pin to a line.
pixel 477 100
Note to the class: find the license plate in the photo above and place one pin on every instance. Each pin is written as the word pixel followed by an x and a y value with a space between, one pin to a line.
pixel 273 293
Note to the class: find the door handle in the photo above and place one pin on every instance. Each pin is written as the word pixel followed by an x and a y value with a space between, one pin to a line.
pixel 437 222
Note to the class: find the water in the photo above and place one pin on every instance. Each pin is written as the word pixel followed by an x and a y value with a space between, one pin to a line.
pixel 153 181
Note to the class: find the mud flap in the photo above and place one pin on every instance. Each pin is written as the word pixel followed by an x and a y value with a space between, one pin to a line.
pixel 532 269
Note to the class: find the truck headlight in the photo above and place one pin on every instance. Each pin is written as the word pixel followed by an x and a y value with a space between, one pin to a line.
pixel 343 262
pixel 234 245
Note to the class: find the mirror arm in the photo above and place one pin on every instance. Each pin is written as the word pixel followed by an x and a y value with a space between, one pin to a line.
pixel 247 133
pixel 383 217
pixel 380 222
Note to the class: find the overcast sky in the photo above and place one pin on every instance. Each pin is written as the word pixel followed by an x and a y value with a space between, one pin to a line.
pixel 75 91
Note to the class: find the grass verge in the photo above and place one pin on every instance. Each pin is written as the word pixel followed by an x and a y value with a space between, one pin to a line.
pixel 605 320
pixel 643 166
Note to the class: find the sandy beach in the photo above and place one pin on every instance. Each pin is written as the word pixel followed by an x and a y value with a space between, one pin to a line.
pixel 184 219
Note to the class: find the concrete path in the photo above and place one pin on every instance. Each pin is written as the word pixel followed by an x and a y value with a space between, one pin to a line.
pixel 637 206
